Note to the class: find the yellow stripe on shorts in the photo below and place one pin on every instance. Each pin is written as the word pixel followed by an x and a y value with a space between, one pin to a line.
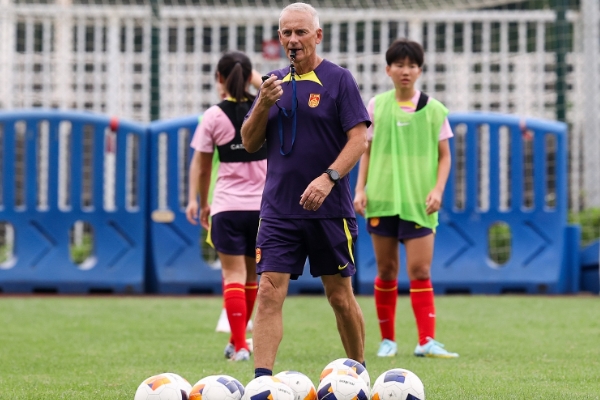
pixel 349 237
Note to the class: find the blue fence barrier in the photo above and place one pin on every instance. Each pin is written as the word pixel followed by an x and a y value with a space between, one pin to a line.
pixel 509 178
pixel 590 268
pixel 62 171
pixel 176 264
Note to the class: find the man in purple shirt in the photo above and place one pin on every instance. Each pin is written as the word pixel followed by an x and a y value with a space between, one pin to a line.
pixel 314 122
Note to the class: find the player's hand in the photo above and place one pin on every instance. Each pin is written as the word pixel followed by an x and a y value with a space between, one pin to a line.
pixel 191 212
pixel 433 201
pixel 360 202
pixel 204 215
pixel 316 192
pixel 270 91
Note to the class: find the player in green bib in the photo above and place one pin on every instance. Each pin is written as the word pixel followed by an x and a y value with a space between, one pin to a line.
pixel 399 190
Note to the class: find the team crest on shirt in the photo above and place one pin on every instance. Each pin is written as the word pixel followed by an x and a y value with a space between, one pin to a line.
pixel 374 222
pixel 258 254
pixel 313 100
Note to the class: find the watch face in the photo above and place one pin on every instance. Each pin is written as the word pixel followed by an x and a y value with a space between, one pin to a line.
pixel 334 175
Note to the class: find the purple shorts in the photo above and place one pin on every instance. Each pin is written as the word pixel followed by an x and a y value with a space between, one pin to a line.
pixel 234 232
pixel 396 227
pixel 282 245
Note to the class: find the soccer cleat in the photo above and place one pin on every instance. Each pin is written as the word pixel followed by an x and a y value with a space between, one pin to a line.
pixel 229 351
pixel 433 349
pixel 241 355
pixel 387 348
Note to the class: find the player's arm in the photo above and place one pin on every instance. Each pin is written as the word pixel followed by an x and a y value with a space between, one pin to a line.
pixel 191 211
pixel 204 175
pixel 434 199
pixel 360 197
pixel 254 128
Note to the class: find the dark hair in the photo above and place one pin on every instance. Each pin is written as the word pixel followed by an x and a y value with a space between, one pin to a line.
pixel 235 67
pixel 402 49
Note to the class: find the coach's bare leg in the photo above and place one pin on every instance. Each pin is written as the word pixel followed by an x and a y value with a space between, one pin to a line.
pixel 348 315
pixel 268 321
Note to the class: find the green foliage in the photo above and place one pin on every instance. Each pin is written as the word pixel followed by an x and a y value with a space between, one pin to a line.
pixel 511 347
pixel 80 253
pixel 4 253
pixel 499 242
pixel 589 220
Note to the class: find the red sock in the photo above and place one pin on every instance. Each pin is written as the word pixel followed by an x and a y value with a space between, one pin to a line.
pixel 235 304
pixel 251 291
pixel 421 297
pixel 386 294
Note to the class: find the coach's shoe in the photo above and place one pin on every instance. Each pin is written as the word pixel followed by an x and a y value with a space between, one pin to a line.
pixel 433 349
pixel 229 351
pixel 387 348
pixel 241 355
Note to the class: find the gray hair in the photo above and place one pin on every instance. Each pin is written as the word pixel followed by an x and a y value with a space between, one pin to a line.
pixel 307 8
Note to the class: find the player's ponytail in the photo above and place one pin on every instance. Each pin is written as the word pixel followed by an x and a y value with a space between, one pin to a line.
pixel 235 68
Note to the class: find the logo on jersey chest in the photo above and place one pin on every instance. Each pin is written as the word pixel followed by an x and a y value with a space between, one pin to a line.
pixel 313 100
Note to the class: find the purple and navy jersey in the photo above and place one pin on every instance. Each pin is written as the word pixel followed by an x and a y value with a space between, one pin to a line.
pixel 329 105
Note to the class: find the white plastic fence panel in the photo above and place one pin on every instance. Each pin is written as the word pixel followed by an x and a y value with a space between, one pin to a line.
pixel 97 57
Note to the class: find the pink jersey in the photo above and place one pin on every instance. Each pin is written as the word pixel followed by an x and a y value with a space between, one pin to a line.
pixel 239 185
pixel 408 106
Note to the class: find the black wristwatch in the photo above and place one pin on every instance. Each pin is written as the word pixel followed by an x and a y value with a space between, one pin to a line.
pixel 333 175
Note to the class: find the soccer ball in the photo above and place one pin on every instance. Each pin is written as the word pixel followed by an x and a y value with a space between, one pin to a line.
pixel 300 384
pixel 398 384
pixel 267 388
pixel 181 381
pixel 217 387
pixel 343 385
pixel 160 387
pixel 344 364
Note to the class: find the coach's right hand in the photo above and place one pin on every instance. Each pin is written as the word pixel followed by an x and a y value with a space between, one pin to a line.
pixel 270 91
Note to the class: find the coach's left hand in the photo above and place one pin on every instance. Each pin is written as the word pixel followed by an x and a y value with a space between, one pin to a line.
pixel 316 192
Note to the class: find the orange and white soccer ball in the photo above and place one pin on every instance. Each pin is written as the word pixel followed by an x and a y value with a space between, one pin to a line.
pixel 267 388
pixel 347 364
pixel 342 385
pixel 300 384
pixel 166 386
pixel 398 384
pixel 217 387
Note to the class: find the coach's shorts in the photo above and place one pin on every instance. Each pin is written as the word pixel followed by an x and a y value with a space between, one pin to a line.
pixel 396 227
pixel 282 245
pixel 234 232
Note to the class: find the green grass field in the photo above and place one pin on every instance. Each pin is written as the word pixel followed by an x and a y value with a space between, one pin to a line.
pixel 511 347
